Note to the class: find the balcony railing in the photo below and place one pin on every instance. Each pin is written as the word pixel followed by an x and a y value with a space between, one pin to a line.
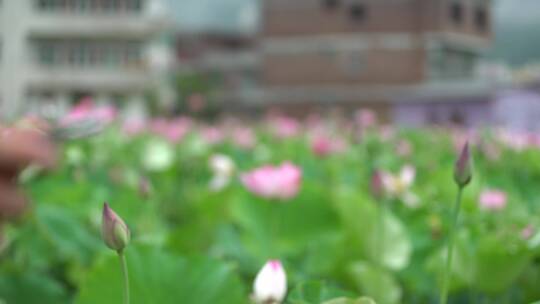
pixel 92 7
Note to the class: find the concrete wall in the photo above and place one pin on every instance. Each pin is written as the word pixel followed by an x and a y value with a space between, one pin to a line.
pixel 306 17
pixel 370 66
pixel 24 82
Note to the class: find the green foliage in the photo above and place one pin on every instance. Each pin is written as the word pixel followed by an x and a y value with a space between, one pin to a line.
pixel 16 287
pixel 315 292
pixel 158 277
pixel 195 245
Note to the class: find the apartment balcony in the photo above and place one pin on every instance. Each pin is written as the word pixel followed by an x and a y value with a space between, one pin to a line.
pixel 88 79
pixel 62 24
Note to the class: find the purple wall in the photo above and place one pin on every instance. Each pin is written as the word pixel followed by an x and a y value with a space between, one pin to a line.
pixel 518 109
pixel 515 109
pixel 472 113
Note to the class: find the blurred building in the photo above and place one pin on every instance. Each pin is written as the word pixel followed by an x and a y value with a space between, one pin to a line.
pixel 53 52
pixel 407 58
pixel 231 57
pixel 216 42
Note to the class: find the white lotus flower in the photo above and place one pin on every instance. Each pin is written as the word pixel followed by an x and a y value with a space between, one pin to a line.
pixel 270 285
pixel 158 156
pixel 223 168
pixel 399 186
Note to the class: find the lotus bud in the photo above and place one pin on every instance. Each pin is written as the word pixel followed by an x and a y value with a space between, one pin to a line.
pixel 270 284
pixel 463 167
pixel 114 231
pixel 145 188
pixel 376 186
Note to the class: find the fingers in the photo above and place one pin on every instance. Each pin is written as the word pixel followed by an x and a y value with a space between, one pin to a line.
pixel 21 147
pixel 12 201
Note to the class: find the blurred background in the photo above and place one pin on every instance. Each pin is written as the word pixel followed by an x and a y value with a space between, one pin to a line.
pixel 230 132
pixel 415 62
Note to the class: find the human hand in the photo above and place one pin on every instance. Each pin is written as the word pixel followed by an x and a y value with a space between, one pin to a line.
pixel 20 147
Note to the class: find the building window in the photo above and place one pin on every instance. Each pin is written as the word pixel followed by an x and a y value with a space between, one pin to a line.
pixel 331 4
pixel 358 12
pixel 456 12
pixel 89 53
pixel 352 63
pixel 481 19
pixel 448 63
pixel 89 6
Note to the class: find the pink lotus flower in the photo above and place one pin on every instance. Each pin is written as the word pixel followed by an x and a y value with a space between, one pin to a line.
pixel 212 135
pixel 285 127
pixel 244 137
pixel 527 232
pixel 322 145
pixel 387 133
pixel 87 110
pixel 403 148
pixel 365 118
pixel 493 200
pixel 172 130
pixel 133 127
pixel 275 182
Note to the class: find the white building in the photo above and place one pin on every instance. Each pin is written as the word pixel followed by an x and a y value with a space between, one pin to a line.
pixel 53 52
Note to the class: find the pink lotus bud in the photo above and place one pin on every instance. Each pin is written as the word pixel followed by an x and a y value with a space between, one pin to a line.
pixel 114 231
pixel 270 284
pixel 376 186
pixel 145 187
pixel 463 167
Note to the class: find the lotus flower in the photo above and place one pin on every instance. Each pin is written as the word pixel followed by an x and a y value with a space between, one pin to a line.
pixel 87 110
pixel 399 186
pixel 212 135
pixel 270 286
pixel 322 145
pixel 172 130
pixel 244 138
pixel 285 127
pixel 527 232
pixel 223 169
pixel 365 118
pixel 403 148
pixel 493 200
pixel 281 182
pixel 133 127
pixel 114 231
pixel 158 155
